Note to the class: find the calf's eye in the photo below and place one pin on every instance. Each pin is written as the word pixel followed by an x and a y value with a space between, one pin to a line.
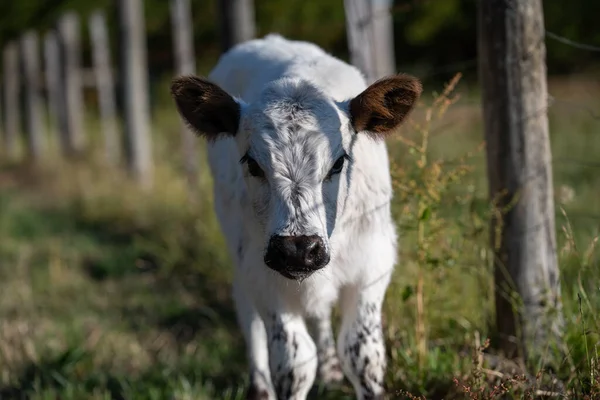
pixel 337 166
pixel 254 169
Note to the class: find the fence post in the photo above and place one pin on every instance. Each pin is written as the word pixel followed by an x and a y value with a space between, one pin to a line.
pixel 185 64
pixel 135 86
pixel 515 100
pixel 70 62
pixel 383 38
pixel 237 22
pixel 370 37
pixel 54 93
pixel 33 100
pixel 105 86
pixel 11 99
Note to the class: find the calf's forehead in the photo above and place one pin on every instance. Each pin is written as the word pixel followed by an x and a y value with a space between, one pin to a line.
pixel 307 140
pixel 297 119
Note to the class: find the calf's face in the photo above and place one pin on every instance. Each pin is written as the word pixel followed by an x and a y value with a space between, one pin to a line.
pixel 295 148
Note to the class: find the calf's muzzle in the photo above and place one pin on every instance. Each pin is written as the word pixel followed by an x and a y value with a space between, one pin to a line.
pixel 296 257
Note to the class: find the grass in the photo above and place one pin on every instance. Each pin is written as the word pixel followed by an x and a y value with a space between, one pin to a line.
pixel 109 292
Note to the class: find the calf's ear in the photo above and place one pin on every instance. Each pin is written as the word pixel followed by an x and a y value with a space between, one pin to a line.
pixel 205 107
pixel 383 106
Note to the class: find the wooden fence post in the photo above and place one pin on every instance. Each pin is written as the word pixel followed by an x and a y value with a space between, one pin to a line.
pixel 515 100
pixel 135 81
pixel 70 57
pixel 185 64
pixel 237 22
pixel 54 93
pixel 382 25
pixel 105 86
pixel 33 99
pixel 370 37
pixel 11 99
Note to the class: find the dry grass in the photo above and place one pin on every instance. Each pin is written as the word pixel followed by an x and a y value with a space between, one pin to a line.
pixel 112 292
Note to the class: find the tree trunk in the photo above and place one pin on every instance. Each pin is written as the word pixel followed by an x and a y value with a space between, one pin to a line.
pixel 515 101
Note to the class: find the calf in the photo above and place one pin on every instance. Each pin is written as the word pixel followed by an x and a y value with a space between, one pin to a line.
pixel 302 192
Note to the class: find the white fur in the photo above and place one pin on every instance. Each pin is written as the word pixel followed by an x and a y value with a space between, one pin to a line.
pixel 351 212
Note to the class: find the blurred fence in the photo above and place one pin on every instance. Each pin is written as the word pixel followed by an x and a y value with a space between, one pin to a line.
pixel 43 78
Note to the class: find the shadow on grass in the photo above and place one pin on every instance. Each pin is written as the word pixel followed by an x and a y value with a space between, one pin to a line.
pixel 155 291
pixel 62 375
pixel 216 366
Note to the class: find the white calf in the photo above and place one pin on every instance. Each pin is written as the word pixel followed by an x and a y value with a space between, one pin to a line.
pixel 302 192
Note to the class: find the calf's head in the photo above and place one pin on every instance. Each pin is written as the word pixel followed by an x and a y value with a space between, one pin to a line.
pixel 295 148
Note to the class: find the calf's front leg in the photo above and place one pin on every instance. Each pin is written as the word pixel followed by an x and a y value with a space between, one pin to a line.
pixel 330 370
pixel 292 356
pixel 255 337
pixel 361 345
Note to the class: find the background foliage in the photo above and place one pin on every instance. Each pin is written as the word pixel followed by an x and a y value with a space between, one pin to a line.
pixel 430 35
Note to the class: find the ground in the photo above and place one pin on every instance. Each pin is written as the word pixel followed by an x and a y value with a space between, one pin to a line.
pixel 109 291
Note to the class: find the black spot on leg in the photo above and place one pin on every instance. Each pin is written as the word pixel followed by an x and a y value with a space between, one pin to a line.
pixel 371 309
pixel 354 356
pixel 366 388
pixel 302 379
pixel 287 385
pixel 279 333
pixel 356 349
pixel 361 337
pixel 295 346
pixel 254 393
pixel 290 381
pixel 286 380
pixel 365 365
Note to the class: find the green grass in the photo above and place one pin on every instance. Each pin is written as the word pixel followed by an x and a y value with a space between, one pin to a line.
pixel 109 292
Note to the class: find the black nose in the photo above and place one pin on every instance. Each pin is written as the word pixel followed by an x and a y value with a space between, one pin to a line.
pixel 296 255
